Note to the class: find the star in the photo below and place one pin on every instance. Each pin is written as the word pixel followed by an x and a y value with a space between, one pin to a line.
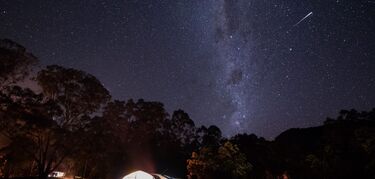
pixel 241 65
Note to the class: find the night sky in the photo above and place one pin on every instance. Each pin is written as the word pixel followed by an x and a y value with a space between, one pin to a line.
pixel 256 66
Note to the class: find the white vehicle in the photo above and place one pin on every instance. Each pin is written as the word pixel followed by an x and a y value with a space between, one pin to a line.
pixel 57 174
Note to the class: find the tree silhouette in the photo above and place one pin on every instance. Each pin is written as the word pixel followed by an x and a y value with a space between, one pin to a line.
pixel 26 120
pixel 15 62
pixel 74 126
pixel 225 161
pixel 78 93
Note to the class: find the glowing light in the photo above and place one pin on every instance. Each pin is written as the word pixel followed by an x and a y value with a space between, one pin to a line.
pixel 308 15
pixel 138 175
pixel 56 174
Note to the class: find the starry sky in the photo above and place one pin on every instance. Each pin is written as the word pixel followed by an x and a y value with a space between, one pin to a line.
pixel 255 66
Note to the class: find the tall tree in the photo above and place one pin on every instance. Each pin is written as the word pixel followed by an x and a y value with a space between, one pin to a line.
pixel 225 161
pixel 26 120
pixel 109 134
pixel 78 93
pixel 183 127
pixel 15 62
pixel 210 136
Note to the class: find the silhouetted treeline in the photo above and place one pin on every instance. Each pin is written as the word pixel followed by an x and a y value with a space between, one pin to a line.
pixel 71 124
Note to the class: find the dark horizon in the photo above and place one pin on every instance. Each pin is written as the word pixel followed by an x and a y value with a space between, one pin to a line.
pixel 245 66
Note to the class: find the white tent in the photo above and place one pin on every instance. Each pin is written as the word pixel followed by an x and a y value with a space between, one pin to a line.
pixel 138 175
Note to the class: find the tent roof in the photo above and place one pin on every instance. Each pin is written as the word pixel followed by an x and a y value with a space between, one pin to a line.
pixel 138 175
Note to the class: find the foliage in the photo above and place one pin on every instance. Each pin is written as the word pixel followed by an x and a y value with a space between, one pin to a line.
pixel 202 164
pixel 73 126
pixel 26 121
pixel 15 62
pixel 226 161
pixel 233 161
pixel 78 93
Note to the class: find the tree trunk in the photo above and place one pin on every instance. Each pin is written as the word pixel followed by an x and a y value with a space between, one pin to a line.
pixel 7 170
pixel 42 174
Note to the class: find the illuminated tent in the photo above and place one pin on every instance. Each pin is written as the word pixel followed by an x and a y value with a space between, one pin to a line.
pixel 138 175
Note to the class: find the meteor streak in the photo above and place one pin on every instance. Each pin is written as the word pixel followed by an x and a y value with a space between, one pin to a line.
pixel 308 15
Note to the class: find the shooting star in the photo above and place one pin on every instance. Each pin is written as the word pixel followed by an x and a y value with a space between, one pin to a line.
pixel 308 15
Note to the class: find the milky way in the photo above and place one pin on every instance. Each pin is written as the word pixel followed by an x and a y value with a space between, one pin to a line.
pixel 233 48
pixel 254 66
